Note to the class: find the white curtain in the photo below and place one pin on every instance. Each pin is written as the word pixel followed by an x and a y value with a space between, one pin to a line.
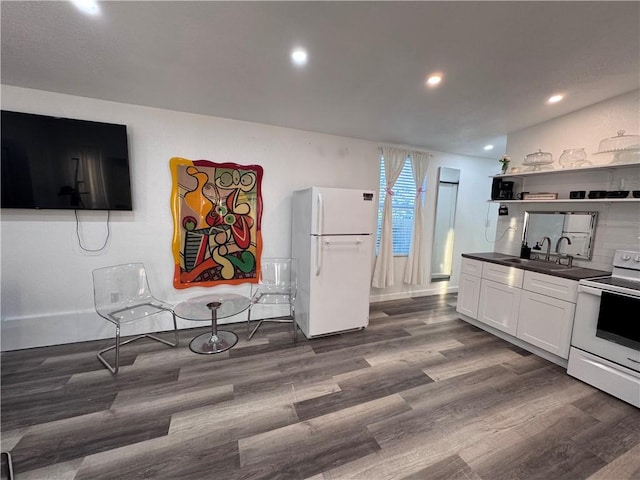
pixel 415 271
pixel 394 159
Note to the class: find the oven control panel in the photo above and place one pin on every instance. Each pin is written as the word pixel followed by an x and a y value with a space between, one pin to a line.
pixel 627 259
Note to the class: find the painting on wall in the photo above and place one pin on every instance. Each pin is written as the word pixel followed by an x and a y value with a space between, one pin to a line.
pixel 217 208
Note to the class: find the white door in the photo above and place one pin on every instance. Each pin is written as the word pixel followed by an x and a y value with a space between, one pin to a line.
pixel 340 284
pixel 341 211
pixel 546 322
pixel 468 295
pixel 499 305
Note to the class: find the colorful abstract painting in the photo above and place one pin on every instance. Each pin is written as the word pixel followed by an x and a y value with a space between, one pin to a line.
pixel 217 208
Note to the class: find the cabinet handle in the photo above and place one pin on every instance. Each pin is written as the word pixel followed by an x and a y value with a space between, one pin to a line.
pixel 634 361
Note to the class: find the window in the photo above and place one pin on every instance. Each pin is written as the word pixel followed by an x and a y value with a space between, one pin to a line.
pixel 404 196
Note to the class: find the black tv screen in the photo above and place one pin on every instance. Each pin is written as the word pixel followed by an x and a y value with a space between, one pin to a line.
pixel 61 163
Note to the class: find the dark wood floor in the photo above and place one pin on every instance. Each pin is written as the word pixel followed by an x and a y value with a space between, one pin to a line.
pixel 419 394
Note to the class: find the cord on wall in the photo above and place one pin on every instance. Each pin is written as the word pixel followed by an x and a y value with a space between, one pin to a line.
pixel 90 250
pixel 486 227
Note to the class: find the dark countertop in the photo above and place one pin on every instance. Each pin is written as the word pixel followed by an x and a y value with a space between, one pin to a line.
pixel 573 273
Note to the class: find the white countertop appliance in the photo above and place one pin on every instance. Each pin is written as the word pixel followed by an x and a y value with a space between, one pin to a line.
pixel 605 345
pixel 332 245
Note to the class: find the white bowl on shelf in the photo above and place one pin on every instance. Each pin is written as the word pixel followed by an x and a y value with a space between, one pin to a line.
pixel 573 157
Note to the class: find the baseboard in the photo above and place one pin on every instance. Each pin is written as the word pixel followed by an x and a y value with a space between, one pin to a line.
pixel 383 297
pixel 83 326
pixel 516 341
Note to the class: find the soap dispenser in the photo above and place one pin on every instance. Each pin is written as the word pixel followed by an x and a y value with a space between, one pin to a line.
pixel 525 251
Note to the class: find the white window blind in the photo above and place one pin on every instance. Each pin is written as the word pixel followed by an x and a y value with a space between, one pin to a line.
pixel 404 197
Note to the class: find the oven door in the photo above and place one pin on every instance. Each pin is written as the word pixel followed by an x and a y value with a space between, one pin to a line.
pixel 618 319
pixel 615 320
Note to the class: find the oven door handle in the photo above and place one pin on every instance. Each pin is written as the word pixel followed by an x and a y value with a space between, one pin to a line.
pixel 591 290
pixel 598 292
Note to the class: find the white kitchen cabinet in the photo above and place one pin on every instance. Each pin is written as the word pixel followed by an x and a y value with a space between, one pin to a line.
pixel 468 295
pixel 546 322
pixel 471 267
pixel 503 274
pixel 469 287
pixel 556 287
pixel 499 306
pixel 530 309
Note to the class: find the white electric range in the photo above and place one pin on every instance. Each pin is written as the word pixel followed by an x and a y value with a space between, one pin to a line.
pixel 605 345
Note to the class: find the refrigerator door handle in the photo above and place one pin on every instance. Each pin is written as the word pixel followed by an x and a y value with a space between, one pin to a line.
pixel 357 241
pixel 319 232
pixel 320 214
pixel 318 255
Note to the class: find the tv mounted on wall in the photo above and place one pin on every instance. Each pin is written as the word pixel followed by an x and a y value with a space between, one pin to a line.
pixel 61 163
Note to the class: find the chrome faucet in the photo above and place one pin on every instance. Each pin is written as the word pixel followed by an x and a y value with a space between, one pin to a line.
pixel 560 240
pixel 560 255
pixel 547 255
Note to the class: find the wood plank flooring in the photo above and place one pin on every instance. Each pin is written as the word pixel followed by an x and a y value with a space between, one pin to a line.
pixel 419 394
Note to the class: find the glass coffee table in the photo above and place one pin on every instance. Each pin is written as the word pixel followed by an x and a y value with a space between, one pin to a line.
pixel 211 308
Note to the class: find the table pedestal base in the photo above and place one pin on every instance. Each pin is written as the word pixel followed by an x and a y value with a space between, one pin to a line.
pixel 208 343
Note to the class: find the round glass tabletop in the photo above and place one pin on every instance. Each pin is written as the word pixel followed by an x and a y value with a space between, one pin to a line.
pixel 196 308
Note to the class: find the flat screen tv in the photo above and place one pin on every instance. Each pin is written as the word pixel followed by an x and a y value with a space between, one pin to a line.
pixel 61 163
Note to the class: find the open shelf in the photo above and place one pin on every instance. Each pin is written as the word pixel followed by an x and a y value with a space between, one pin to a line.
pixel 569 200
pixel 609 166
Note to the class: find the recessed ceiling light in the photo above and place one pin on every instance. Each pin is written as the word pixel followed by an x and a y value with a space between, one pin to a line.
pixel 434 79
pixel 90 7
pixel 555 98
pixel 488 147
pixel 299 56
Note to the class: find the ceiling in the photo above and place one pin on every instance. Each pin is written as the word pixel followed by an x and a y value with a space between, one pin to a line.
pixel 366 69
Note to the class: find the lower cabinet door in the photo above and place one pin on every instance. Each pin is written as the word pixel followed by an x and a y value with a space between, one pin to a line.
pixel 499 306
pixel 546 322
pixel 468 295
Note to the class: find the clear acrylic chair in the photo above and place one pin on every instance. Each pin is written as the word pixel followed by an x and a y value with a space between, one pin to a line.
pixel 277 286
pixel 121 295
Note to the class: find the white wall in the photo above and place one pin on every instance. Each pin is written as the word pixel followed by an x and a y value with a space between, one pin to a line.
pixel 47 295
pixel 584 128
pixel 618 225
pixel 46 287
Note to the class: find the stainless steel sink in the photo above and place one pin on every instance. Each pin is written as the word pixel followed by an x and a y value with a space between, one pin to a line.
pixel 517 260
pixel 526 261
pixel 539 264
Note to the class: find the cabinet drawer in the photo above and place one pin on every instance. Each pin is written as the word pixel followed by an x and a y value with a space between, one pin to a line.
pixel 471 267
pixel 501 274
pixel 556 287
pixel 619 381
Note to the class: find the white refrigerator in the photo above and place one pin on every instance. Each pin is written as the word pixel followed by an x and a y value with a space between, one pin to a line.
pixel 333 235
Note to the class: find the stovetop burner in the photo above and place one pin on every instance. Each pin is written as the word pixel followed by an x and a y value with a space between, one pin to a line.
pixel 618 282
